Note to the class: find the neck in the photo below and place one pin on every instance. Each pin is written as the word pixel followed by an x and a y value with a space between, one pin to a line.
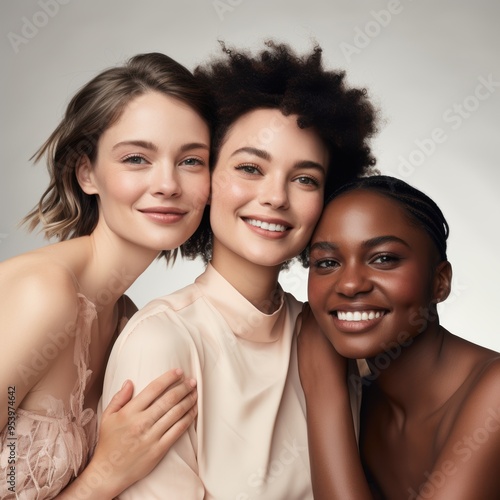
pixel 407 380
pixel 258 284
pixel 110 266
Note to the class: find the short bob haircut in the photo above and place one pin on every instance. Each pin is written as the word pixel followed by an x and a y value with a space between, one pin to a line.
pixel 278 78
pixel 64 210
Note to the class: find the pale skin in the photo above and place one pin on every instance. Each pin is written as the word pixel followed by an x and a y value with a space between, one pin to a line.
pixel 430 420
pixel 152 187
pixel 280 181
pixel 256 185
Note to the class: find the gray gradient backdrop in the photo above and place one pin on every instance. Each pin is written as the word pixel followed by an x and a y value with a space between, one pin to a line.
pixel 431 66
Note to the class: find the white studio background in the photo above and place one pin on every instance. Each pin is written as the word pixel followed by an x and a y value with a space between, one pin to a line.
pixel 431 66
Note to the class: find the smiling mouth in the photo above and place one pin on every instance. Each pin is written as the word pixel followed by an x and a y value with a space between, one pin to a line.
pixel 358 315
pixel 268 226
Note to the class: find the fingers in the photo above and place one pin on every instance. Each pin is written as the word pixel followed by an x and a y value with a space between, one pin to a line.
pixel 120 399
pixel 176 413
pixel 175 422
pixel 175 401
pixel 155 389
pixel 168 418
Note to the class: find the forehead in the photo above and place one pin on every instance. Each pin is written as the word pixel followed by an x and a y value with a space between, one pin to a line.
pixel 151 113
pixel 271 130
pixel 363 214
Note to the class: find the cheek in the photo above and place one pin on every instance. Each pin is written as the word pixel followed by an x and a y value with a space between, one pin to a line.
pixel 317 293
pixel 229 193
pixel 311 208
pixel 121 189
pixel 411 289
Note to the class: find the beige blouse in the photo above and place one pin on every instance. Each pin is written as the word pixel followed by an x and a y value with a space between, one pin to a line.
pixel 250 439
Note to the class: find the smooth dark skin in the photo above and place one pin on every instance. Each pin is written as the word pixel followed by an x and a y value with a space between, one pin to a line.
pixel 430 420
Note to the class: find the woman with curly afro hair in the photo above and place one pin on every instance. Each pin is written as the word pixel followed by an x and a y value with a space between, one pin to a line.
pixel 287 133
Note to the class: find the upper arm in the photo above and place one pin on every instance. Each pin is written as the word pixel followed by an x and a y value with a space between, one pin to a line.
pixel 36 306
pixel 467 465
pixel 147 348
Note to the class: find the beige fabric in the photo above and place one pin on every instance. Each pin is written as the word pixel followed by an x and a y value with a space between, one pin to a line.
pixel 54 444
pixel 250 440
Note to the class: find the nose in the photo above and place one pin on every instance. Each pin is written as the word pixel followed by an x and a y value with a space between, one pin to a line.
pixel 351 280
pixel 274 193
pixel 165 181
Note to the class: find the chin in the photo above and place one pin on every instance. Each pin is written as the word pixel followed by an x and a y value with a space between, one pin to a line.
pixel 354 349
pixel 266 260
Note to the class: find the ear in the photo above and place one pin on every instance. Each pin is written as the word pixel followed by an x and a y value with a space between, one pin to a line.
pixel 442 282
pixel 85 176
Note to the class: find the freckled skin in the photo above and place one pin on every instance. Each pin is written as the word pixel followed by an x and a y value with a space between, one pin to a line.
pixel 430 416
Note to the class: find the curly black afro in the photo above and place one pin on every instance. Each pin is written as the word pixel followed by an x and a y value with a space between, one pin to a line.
pixel 276 77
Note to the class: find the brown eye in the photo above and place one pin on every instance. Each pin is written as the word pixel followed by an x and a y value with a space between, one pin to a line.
pixel 248 169
pixel 386 260
pixel 307 181
pixel 324 263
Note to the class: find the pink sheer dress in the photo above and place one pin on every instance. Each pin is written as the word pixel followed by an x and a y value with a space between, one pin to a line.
pixel 54 444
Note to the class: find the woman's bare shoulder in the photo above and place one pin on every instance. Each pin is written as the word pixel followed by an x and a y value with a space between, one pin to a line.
pixel 38 300
pixel 481 398
pixel 488 380
pixel 38 281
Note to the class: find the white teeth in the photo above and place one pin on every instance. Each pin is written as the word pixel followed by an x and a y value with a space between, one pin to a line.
pixel 266 225
pixel 358 315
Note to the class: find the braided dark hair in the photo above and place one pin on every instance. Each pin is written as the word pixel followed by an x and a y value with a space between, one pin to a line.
pixel 421 209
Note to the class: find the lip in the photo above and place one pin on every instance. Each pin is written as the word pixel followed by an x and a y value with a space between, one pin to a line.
pixel 165 215
pixel 273 222
pixel 359 325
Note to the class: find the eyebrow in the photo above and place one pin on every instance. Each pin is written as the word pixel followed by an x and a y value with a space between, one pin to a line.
pixel 323 245
pixel 261 153
pixel 137 143
pixel 371 243
pixel 153 147
pixel 194 145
